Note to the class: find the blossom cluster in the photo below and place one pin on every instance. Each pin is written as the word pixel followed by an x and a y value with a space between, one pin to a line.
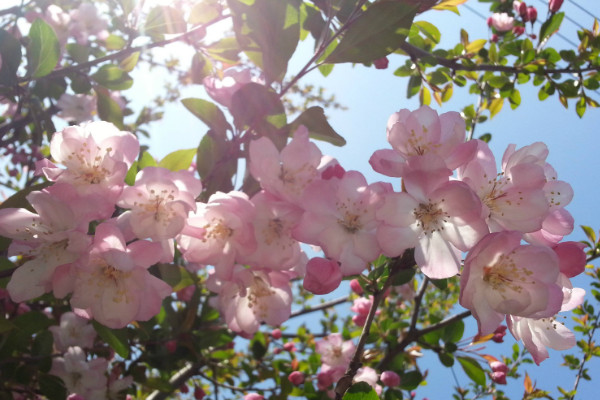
pixel 95 237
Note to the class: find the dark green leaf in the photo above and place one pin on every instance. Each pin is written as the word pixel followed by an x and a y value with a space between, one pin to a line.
pixel 208 113
pixel 379 31
pixel 486 137
pixel 52 387
pixel 472 369
pixel 446 359
pixel 201 68
pixel 78 52
pixel 411 380
pixel 164 19
pixel 315 121
pixel 208 154
pixel 453 332
pixel 178 160
pixel 360 391
pixel 112 77
pixel 43 50
pixel 115 338
pixel 10 50
pixel 414 85
pixel 31 322
pixel 551 25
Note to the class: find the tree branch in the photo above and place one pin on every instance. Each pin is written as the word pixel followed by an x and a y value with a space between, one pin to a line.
pixel 178 379
pixel 322 306
pixel 418 53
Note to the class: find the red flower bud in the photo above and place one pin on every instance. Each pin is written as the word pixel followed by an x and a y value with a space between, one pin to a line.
pixel 199 393
pixel 171 346
pixel 276 334
pixel 499 334
pixel 531 14
pixel 184 389
pixel 381 63
pixel 499 377
pixel 518 30
pixel 355 286
pixel 494 38
pixel 390 378
pixel 523 11
pixel 490 21
pixel 296 378
pixel 555 5
pixel 498 366
pixel 289 346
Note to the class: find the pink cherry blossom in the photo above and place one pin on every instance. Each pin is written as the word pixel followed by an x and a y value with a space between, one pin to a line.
pixel 82 377
pixel 514 199
pixel 55 236
pixel 222 89
pixel 113 285
pixel 340 218
pixel 285 174
pixel 73 331
pixel 322 276
pixel 390 378
pixel 370 376
pixel 502 22
pixel 219 231
pixel 273 222
pixel 160 202
pixel 76 108
pixel 86 22
pixel 420 132
pixel 501 277
pixel 439 217
pixel 250 297
pixel 336 353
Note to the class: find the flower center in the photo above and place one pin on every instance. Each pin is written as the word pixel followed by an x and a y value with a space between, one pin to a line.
pixel 430 217
pixel 506 275
pixel 218 230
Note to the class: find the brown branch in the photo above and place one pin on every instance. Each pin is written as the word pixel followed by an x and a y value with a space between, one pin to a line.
pixel 418 53
pixel 178 379
pixel 322 306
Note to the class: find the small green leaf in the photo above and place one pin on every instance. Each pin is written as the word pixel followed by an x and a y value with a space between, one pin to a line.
pixel 414 85
pixel 453 332
pixel 315 121
pixel 551 25
pixel 164 20
pixel 207 155
pixel 178 160
pixel 201 68
pixel 472 369
pixel 129 62
pixel 486 137
pixel 411 380
pixel 208 113
pixel 112 77
pixel 205 11
pixel 43 50
pixel 360 391
pixel 589 232
pixel 380 30
pixel 114 42
pixel 581 106
pixel 115 338
pixel 108 109
pixel 52 387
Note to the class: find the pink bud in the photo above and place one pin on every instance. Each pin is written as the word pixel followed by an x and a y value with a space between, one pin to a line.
pixel 289 346
pixel 499 334
pixel 355 286
pixel 523 11
pixel 518 30
pixel 276 334
pixel 359 320
pixel 254 396
pixel 498 366
pixel 171 346
pixel 490 21
pixel 199 393
pixel 494 38
pixel 324 380
pixel 555 5
pixel 75 396
pixel 390 378
pixel 184 389
pixel 499 377
pixel 322 276
pixel 381 63
pixel 277 350
pixel 296 378
pixel 531 14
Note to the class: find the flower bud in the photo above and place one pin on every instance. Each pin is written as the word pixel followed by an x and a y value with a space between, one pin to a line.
pixel 184 389
pixel 490 21
pixel 355 286
pixel 324 380
pixel 390 378
pixel 171 346
pixel 494 38
pixel 296 378
pixel 498 366
pixel 381 63
pixel 499 334
pixel 555 5
pixel 289 346
pixel 499 377
pixel 75 396
pixel 276 334
pixel 523 11
pixel 254 396
pixel 199 393
pixel 518 30
pixel 531 14
pixel 322 275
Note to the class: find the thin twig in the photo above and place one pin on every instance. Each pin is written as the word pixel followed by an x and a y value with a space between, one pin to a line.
pixel 585 358
pixel 322 306
pixel 178 379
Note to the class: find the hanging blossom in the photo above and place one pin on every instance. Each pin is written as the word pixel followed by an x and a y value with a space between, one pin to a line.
pixel 336 355
pixel 502 277
pixel 112 284
pixel 55 236
pixel 340 217
pixel 251 297
pixel 159 202
pixel 82 377
pixel 438 217
pixel 76 107
pixel 73 331
pixel 422 132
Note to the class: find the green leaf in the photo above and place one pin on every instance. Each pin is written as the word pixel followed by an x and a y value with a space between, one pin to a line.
pixel 52 387
pixel 411 380
pixel 429 30
pixel 268 31
pixel 112 77
pixel 207 155
pixel 486 137
pixel 315 121
pixel 472 369
pixel 108 109
pixel 115 338
pixel 581 106
pixel 453 332
pixel 514 99
pixel 498 81
pixel 10 50
pixel 379 31
pixel 201 68
pixel 43 50
pixel 31 322
pixel 208 113
pixel 589 232
pixel 550 26
pixel 205 11
pixel 164 19
pixel 114 42
pixel 360 391
pixel 129 62
pixel 178 160
pixel 414 85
